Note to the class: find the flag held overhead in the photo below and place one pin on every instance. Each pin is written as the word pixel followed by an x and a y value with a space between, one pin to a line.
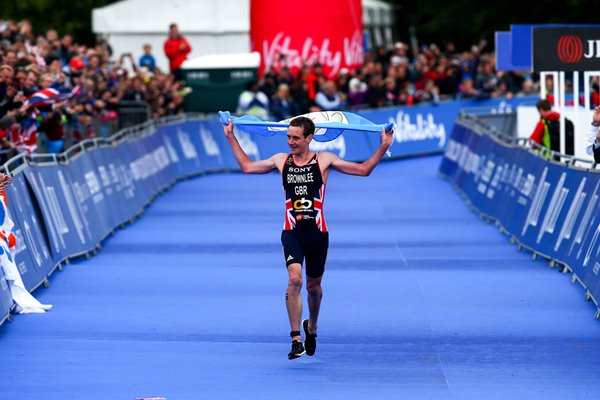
pixel 329 124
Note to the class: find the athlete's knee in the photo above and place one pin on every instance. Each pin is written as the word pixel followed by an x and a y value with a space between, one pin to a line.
pixel 295 282
pixel 313 286
pixel 295 278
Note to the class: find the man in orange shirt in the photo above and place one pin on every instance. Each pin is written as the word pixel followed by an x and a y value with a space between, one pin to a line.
pixel 176 49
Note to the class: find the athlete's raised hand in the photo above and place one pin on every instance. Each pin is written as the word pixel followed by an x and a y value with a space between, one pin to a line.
pixel 5 180
pixel 386 138
pixel 228 130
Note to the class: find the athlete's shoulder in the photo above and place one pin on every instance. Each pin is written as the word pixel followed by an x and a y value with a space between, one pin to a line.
pixel 326 157
pixel 279 159
pixel 279 156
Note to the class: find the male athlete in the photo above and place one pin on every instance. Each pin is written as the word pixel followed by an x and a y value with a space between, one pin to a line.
pixel 304 233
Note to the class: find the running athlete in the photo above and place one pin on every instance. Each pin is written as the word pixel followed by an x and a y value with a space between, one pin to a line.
pixel 304 236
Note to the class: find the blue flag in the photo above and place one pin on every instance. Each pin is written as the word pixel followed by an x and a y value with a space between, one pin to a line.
pixel 329 124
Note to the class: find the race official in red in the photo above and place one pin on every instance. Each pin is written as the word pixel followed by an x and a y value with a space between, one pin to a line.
pixel 177 49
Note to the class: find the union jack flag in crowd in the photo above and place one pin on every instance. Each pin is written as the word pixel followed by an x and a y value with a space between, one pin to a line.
pixel 50 96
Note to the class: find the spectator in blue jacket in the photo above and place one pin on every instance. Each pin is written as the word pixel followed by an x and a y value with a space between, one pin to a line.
pixel 147 59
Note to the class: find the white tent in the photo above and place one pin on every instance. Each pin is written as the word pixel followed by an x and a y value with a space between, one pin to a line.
pixel 211 26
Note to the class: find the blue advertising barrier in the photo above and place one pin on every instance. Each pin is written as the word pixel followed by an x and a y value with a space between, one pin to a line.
pixel 33 257
pixel 547 207
pixel 210 143
pixel 104 198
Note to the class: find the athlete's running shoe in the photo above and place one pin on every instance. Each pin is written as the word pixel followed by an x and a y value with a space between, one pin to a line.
pixel 297 350
pixel 310 341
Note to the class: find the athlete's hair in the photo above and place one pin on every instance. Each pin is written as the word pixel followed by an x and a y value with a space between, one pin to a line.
pixel 307 125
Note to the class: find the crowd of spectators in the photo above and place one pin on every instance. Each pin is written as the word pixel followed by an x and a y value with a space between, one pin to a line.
pixel 91 84
pixel 394 76
pixel 87 85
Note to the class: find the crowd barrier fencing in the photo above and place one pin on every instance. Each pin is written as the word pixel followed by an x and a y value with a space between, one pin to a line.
pixel 545 202
pixel 503 123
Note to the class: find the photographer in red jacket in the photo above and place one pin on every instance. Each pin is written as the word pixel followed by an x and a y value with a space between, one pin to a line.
pixel 176 49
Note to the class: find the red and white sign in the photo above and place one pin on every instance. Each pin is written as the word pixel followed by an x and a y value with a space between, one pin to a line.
pixel 295 33
pixel 569 49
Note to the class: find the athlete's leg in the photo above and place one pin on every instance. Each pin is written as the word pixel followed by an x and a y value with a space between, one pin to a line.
pixel 293 297
pixel 315 294
pixel 315 268
pixel 316 256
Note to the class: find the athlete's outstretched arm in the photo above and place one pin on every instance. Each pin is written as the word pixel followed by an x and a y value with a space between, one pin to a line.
pixel 366 167
pixel 248 166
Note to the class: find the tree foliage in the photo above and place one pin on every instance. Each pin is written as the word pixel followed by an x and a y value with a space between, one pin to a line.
pixel 65 16
pixel 465 22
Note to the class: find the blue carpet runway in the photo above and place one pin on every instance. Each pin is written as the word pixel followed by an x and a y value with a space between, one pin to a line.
pixel 422 300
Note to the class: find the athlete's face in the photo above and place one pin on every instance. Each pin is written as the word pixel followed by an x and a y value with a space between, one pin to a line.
pixel 296 140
